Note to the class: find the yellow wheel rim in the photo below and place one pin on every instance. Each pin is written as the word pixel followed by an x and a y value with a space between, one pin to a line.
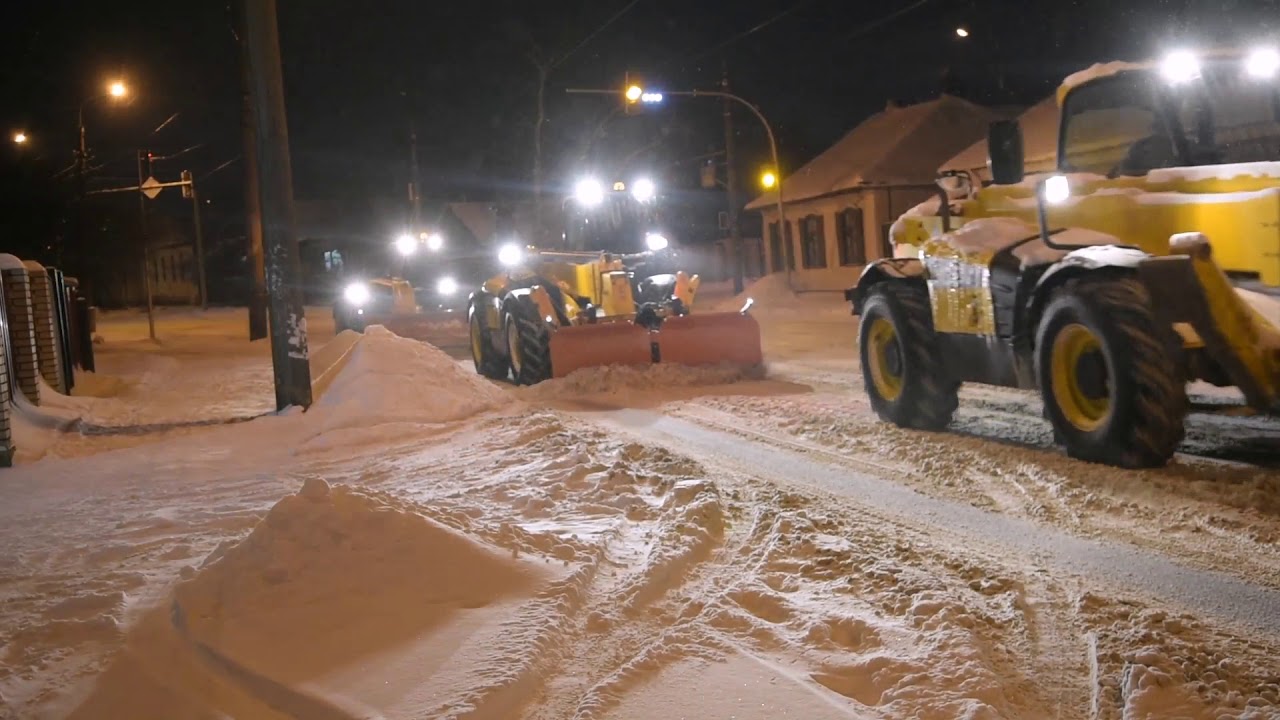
pixel 884 358
pixel 1084 402
pixel 477 342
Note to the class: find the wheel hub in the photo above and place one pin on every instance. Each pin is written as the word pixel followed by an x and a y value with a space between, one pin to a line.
pixel 1081 382
pixel 884 358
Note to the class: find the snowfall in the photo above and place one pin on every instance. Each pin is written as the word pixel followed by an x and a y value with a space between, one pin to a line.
pixel 619 544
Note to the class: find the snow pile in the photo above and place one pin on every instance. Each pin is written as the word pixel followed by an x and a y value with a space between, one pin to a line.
pixel 331 575
pixel 615 379
pixel 389 379
pixel 327 362
pixel 771 294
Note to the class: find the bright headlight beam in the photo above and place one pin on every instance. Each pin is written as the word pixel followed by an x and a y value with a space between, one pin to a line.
pixel 588 192
pixel 406 245
pixel 1263 63
pixel 655 242
pixel 434 241
pixel 446 286
pixel 357 293
pixel 1057 189
pixel 643 189
pixel 1180 66
pixel 510 254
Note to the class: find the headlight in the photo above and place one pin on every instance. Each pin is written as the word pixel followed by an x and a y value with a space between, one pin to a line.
pixel 655 242
pixel 357 293
pixel 406 245
pixel 1180 66
pixel 510 255
pixel 643 190
pixel 446 286
pixel 1263 63
pixel 434 241
pixel 1057 189
pixel 588 192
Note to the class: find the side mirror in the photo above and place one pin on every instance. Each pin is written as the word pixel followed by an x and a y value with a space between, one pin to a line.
pixel 1004 152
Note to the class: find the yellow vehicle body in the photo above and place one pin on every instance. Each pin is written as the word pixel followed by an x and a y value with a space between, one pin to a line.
pixel 1108 298
pixel 561 312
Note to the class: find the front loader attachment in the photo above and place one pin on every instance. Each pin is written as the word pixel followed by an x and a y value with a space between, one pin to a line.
pixel 731 338
pixel 609 343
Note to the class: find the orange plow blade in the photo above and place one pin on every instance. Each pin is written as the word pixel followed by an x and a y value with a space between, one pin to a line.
pixel 615 343
pixel 711 339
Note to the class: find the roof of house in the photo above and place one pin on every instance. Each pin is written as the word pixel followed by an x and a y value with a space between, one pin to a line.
pixel 1039 141
pixel 895 147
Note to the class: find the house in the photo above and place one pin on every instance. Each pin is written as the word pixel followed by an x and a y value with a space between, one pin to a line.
pixel 843 201
pixel 1039 145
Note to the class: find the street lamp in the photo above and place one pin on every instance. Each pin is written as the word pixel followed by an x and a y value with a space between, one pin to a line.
pixel 19 138
pixel 768 180
pixel 962 32
pixel 635 92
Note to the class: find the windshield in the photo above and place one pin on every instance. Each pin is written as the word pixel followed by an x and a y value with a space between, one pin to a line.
pixel 617 225
pixel 1135 122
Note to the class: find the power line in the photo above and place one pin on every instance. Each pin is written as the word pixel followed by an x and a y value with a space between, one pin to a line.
pixel 750 31
pixel 887 18
pixel 593 34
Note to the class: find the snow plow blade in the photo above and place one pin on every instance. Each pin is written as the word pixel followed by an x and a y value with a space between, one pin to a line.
pixel 731 338
pixel 611 343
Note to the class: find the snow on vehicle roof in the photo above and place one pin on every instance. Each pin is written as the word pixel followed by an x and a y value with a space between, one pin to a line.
pixel 11 262
pixel 1097 72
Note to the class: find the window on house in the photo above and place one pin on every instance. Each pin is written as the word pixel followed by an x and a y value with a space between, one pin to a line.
pixel 813 242
pixel 886 240
pixel 851 238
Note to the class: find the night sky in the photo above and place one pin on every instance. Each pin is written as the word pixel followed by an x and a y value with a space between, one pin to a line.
pixel 359 75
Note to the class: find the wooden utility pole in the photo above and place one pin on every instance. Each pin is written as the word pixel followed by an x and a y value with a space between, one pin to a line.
pixel 252 206
pixel 146 247
pixel 731 183
pixel 289 352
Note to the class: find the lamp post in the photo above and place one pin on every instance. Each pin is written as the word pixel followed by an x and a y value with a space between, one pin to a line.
pixel 634 93
pixel 115 90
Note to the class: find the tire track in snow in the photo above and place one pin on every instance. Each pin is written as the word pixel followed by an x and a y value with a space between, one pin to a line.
pixel 1125 568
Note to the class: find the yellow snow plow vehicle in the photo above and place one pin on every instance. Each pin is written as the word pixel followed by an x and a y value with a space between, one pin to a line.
pixel 1149 260
pixel 556 311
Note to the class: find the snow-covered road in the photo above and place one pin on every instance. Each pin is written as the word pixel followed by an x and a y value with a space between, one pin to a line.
pixel 615 545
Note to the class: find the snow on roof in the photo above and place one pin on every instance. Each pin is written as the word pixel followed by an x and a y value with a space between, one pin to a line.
pixel 896 146
pixel 1039 140
pixel 478 217
pixel 11 262
pixel 1216 172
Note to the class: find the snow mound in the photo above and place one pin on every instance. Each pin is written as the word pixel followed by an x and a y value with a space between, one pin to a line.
pixel 330 575
pixel 385 378
pixel 620 378
pixel 770 291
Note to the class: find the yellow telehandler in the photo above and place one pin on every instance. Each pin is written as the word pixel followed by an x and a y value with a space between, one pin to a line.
pixel 1150 259
pixel 552 312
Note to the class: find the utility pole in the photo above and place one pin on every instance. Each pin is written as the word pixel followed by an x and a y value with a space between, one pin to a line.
pixel 195 216
pixel 252 205
pixel 289 352
pixel 146 247
pixel 731 171
pixel 415 194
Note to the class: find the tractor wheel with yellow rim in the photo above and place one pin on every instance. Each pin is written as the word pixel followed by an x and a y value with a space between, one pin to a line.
pixel 1110 374
pixel 903 371
pixel 486 359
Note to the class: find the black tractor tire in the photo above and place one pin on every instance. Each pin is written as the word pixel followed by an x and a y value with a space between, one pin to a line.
pixel 528 342
pixel 903 371
pixel 485 357
pixel 1117 393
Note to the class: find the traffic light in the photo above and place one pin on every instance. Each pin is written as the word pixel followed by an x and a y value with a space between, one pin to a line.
pixel 632 92
pixel 187 188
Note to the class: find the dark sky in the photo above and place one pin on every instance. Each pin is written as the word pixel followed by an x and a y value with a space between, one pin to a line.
pixel 359 74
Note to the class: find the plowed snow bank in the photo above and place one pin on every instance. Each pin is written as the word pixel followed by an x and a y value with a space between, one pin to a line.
pixel 331 574
pixel 387 379
pixel 619 378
